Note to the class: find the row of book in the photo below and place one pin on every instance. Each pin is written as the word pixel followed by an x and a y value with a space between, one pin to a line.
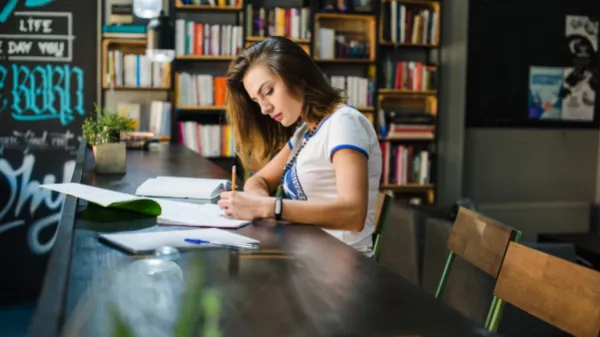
pixel 293 23
pixel 220 3
pixel 404 164
pixel 410 75
pixel 200 89
pixel 410 23
pixel 359 90
pixel 334 45
pixel 133 70
pixel 208 140
pixel 406 123
pixel 194 38
pixel 155 118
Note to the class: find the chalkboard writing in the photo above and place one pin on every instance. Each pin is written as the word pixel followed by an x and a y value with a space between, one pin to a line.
pixel 48 63
pixel 38 36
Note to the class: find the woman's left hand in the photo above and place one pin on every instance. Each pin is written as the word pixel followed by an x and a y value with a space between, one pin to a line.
pixel 246 206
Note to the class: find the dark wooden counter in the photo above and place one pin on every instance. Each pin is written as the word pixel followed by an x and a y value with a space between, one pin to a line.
pixel 302 282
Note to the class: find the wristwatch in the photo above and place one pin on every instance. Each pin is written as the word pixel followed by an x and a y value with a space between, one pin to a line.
pixel 278 208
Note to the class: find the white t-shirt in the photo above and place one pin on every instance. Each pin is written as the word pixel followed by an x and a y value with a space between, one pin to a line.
pixel 313 175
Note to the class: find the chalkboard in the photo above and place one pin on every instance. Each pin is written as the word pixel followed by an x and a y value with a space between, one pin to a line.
pixel 48 84
pixel 506 39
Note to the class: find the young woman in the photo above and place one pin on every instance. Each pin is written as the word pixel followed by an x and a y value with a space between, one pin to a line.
pixel 319 157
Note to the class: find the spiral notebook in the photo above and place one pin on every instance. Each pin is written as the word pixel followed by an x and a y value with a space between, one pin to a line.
pixel 182 187
pixel 168 212
pixel 146 242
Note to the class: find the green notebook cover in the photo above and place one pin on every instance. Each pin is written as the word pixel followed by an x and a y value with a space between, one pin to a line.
pixel 108 198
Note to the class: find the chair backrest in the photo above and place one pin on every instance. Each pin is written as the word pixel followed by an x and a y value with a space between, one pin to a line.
pixel 480 240
pixel 559 292
pixel 381 207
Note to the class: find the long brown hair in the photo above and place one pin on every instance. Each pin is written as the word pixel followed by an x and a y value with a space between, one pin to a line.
pixel 258 137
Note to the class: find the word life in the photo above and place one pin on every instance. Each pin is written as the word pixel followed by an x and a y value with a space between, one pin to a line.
pixel 42 92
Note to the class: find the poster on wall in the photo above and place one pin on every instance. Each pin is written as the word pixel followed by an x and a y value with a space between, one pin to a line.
pixel 582 38
pixel 545 87
pixel 579 80
pixel 47 87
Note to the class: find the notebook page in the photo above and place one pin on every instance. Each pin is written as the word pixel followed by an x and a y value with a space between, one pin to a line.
pixel 180 187
pixel 93 194
pixel 188 214
pixel 148 241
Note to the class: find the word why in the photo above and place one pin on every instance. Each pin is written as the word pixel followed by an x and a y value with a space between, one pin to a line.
pixel 24 191
pixel 43 92
pixel 12 4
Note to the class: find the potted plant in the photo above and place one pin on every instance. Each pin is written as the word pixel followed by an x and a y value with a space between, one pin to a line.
pixel 102 130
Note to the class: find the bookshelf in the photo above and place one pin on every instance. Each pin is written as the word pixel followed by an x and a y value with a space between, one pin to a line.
pixel 407 96
pixel 386 58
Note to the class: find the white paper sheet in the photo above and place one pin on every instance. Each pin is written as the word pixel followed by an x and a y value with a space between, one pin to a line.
pixel 188 214
pixel 93 194
pixel 148 241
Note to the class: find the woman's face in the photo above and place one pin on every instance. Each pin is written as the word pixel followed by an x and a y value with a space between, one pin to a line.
pixel 271 94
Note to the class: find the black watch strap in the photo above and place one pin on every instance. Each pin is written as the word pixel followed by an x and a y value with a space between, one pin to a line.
pixel 278 208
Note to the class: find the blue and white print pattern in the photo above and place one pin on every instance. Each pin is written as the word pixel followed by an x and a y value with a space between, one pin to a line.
pixel 292 186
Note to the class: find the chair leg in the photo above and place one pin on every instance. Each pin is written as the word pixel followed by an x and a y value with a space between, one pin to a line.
pixel 376 247
pixel 445 274
pixel 491 312
pixel 495 321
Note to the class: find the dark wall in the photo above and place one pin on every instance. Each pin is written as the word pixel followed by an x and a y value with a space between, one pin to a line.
pixel 506 37
pixel 48 83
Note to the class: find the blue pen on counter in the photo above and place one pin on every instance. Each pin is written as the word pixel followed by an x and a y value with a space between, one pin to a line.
pixel 231 245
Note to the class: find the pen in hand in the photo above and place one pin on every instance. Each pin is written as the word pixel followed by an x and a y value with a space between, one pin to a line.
pixel 233 176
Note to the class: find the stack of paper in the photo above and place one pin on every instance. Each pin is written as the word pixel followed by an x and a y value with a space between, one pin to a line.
pixel 140 243
pixel 168 211
pixel 181 187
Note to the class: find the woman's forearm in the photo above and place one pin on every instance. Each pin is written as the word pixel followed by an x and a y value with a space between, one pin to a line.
pixel 334 214
pixel 257 185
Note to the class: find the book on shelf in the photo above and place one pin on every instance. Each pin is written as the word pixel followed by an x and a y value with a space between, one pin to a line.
pixel 200 89
pixel 160 118
pixel 195 38
pixel 405 122
pixel 155 118
pixel 404 164
pixel 359 90
pixel 409 23
pixel 135 70
pixel 293 23
pixel 208 140
pixel 220 3
pixel 410 75
pixel 335 45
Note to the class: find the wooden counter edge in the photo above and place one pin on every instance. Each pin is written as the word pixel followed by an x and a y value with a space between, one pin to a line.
pixel 48 316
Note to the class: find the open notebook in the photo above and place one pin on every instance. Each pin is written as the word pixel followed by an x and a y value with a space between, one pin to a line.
pixel 145 242
pixel 167 211
pixel 182 187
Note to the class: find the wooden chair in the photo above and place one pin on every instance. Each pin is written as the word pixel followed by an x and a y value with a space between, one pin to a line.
pixel 381 211
pixel 482 242
pixel 559 292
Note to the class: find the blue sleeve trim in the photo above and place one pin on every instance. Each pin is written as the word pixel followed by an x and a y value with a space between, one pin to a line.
pixel 348 146
pixel 290 145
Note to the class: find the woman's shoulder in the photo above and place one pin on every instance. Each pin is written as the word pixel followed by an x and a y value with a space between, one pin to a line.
pixel 352 120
